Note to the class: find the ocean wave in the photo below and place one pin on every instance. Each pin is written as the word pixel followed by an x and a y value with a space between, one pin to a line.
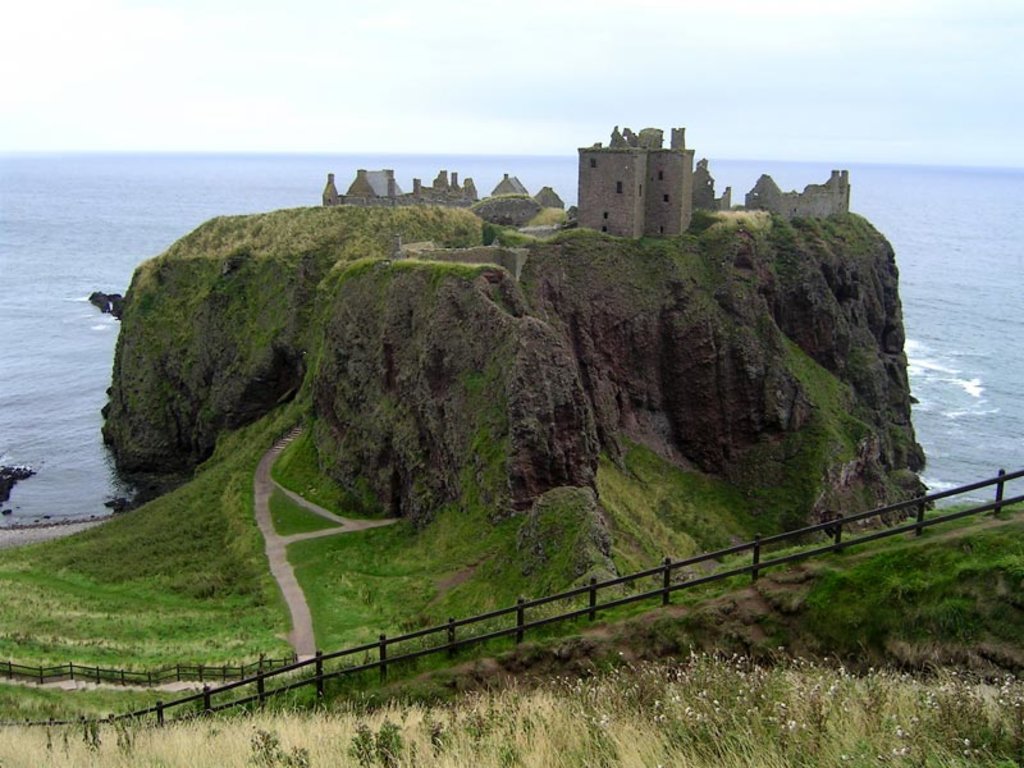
pixel 954 415
pixel 919 365
pixel 971 386
pixel 106 327
pixel 937 486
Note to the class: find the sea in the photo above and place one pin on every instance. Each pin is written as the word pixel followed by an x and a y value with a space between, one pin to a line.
pixel 71 224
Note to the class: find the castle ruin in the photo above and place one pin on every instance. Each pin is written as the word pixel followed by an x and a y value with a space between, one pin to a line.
pixel 372 188
pixel 816 201
pixel 704 191
pixel 635 187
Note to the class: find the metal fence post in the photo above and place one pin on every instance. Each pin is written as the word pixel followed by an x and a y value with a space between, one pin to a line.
pixel 159 713
pixel 519 619
pixel 920 519
pixel 383 656
pixel 319 674
pixel 206 700
pixel 999 494
pixel 837 534
pixel 754 571
pixel 593 597
pixel 261 688
pixel 666 581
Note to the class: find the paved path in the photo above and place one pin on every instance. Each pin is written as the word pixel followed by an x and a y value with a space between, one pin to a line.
pixel 301 637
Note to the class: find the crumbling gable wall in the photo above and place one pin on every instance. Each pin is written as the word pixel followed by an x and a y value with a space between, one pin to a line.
pixel 378 188
pixel 704 190
pixel 816 201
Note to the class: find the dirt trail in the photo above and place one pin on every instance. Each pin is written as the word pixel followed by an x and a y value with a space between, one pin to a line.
pixel 301 637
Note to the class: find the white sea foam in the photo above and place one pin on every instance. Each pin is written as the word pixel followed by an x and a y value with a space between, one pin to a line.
pixel 937 486
pixel 972 386
pixel 99 327
pixel 920 365
pixel 954 415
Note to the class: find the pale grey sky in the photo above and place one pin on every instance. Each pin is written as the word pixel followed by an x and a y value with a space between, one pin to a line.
pixel 916 81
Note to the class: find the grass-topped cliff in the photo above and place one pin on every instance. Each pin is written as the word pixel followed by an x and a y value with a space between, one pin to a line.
pixel 623 401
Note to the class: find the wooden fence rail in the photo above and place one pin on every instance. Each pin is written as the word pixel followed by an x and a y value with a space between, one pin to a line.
pixel 658 583
pixel 10 670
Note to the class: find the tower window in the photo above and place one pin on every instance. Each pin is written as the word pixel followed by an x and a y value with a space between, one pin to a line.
pixel 618 187
pixel 606 214
pixel 593 162
pixel 604 229
pixel 665 198
pixel 640 190
pixel 661 175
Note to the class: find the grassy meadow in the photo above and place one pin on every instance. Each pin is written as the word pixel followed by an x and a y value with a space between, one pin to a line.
pixel 182 580
pixel 700 710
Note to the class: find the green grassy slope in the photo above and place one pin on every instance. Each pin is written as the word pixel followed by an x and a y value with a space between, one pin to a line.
pixel 183 578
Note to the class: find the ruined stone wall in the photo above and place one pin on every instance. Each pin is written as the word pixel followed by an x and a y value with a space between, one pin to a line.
pixel 816 201
pixel 511 259
pixel 611 190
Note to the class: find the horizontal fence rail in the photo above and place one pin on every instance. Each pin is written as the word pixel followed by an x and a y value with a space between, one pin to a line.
pixel 658 583
pixel 200 673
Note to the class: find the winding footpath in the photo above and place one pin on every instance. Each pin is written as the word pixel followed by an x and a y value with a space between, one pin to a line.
pixel 301 637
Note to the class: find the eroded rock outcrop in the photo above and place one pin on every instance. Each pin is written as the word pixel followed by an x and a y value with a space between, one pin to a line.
pixel 432 389
pixel 765 353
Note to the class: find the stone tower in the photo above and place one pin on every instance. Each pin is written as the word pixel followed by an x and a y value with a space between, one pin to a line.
pixel 635 187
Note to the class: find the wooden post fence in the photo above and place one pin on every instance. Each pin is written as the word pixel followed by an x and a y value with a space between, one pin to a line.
pixel 999 493
pixel 319 674
pixel 519 619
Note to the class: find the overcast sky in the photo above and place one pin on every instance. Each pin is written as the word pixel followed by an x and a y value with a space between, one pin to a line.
pixel 916 81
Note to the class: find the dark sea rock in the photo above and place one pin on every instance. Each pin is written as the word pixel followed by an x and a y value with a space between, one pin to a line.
pixel 9 476
pixel 108 303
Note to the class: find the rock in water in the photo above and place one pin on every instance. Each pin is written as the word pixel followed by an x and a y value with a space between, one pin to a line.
pixel 108 303
pixel 9 476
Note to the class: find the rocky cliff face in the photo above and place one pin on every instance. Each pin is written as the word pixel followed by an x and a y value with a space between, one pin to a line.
pixel 764 353
pixel 435 384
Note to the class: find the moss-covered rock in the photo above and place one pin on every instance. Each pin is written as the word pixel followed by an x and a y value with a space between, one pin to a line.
pixel 765 354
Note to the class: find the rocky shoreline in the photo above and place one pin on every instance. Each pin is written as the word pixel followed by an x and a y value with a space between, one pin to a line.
pixel 32 533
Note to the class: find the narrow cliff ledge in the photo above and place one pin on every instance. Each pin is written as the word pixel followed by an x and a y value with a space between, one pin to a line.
pixel 762 353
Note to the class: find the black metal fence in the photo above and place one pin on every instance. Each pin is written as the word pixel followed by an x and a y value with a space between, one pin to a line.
pixel 529 616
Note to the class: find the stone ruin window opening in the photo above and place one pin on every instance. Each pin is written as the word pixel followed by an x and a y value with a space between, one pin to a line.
pixel 661 230
pixel 604 229
pixel 618 187
pixel 593 162
pixel 640 191
pixel 661 175
pixel 665 198
pixel 606 214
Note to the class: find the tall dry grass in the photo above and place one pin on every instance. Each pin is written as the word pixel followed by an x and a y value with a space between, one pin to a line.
pixel 701 711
